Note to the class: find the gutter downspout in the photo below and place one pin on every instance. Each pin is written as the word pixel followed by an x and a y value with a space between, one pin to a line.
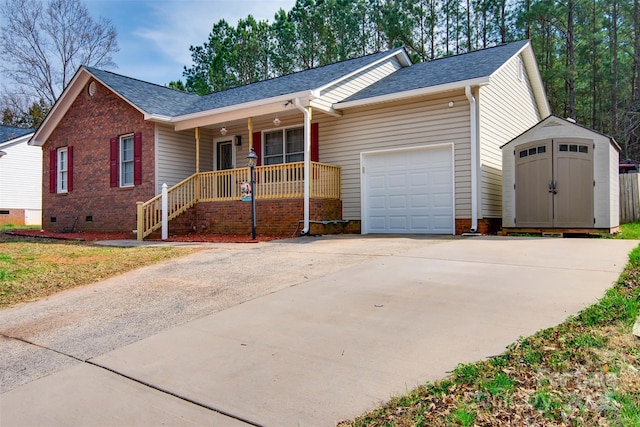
pixel 473 111
pixel 307 163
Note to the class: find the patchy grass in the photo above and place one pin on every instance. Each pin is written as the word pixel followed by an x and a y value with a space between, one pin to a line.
pixel 584 372
pixel 32 268
pixel 629 231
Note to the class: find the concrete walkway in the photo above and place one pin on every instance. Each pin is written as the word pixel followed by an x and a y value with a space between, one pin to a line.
pixel 300 332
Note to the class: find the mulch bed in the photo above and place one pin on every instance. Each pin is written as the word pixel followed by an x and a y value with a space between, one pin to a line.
pixel 93 236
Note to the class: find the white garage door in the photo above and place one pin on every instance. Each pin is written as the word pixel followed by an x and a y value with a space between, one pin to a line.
pixel 408 191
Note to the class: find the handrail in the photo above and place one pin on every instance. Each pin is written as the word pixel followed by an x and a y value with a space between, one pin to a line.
pixel 283 181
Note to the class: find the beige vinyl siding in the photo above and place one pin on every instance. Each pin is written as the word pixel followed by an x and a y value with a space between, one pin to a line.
pixel 614 187
pixel 408 123
pixel 21 176
pixel 507 108
pixel 176 154
pixel 355 83
pixel 606 209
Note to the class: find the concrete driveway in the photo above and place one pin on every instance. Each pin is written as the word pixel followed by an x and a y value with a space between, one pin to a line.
pixel 305 332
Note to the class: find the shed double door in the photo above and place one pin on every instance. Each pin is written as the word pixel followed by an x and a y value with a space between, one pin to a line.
pixel 554 184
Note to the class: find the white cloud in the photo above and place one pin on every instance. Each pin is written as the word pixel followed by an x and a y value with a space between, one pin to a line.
pixel 173 26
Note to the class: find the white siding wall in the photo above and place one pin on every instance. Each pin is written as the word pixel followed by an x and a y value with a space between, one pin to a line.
pixel 176 154
pixel 21 179
pixel 355 83
pixel 507 108
pixel 606 209
pixel 614 188
pixel 409 123
pixel 508 181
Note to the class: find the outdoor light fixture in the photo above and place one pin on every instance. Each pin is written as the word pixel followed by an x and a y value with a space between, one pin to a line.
pixel 2 153
pixel 223 130
pixel 252 159
pixel 276 121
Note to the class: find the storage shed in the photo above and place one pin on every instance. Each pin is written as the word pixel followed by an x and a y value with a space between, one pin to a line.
pixel 560 176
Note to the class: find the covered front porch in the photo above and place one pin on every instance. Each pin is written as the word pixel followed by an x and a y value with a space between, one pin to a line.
pixel 274 182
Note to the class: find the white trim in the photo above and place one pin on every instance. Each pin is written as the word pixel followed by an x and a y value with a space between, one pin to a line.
pixel 18 140
pixel 307 165
pixel 262 106
pixel 156 159
pixel 363 196
pixel 481 81
pixel 284 141
pixel 121 164
pixel 403 59
pixel 475 182
pixel 226 138
pixel 59 170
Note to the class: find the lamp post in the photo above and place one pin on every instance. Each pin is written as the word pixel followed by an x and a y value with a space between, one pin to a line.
pixel 252 159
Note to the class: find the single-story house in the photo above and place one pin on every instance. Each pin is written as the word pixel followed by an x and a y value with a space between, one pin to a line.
pixel 20 177
pixel 374 144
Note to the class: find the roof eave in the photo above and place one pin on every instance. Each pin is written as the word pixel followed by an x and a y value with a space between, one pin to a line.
pixel 481 81
pixel 238 111
pixel 61 106
pixel 16 141
pixel 400 53
pixel 63 103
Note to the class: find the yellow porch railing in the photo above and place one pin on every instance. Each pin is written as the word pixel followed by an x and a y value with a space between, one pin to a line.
pixel 284 181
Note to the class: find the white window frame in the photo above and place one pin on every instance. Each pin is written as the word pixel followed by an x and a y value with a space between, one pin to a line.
pixel 284 144
pixel 62 173
pixel 122 163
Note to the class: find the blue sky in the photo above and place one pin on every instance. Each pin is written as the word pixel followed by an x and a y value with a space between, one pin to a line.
pixel 154 36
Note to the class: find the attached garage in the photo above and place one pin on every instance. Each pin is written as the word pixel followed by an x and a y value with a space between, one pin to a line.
pixel 560 175
pixel 408 191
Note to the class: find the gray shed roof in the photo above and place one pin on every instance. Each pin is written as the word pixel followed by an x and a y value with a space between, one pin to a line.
pixel 451 69
pixel 8 133
pixel 156 99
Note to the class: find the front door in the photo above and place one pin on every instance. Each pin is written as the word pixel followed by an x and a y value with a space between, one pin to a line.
pixel 224 155
pixel 554 184
pixel 224 161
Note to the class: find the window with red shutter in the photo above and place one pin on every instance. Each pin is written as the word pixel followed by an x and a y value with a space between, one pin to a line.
pixel 257 146
pixel 137 158
pixel 53 171
pixel 70 168
pixel 113 163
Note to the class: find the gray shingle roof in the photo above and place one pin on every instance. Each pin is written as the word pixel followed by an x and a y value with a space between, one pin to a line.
pixel 156 99
pixel 149 97
pixel 8 133
pixel 467 66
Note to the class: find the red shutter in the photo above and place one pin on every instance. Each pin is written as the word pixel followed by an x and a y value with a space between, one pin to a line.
pixel 257 146
pixel 137 158
pixel 53 161
pixel 315 151
pixel 70 168
pixel 114 162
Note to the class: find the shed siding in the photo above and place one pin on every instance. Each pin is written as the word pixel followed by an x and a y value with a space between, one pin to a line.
pixel 605 162
pixel 21 177
pixel 355 83
pixel 409 123
pixel 176 153
pixel 507 108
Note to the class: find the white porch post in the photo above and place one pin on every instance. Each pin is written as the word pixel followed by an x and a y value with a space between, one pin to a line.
pixel 307 162
pixel 165 214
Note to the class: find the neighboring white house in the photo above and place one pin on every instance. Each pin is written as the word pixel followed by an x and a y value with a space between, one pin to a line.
pixel 20 178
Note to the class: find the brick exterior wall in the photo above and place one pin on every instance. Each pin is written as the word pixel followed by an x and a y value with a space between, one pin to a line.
pixel 88 126
pixel 485 226
pixel 273 218
pixel 15 216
